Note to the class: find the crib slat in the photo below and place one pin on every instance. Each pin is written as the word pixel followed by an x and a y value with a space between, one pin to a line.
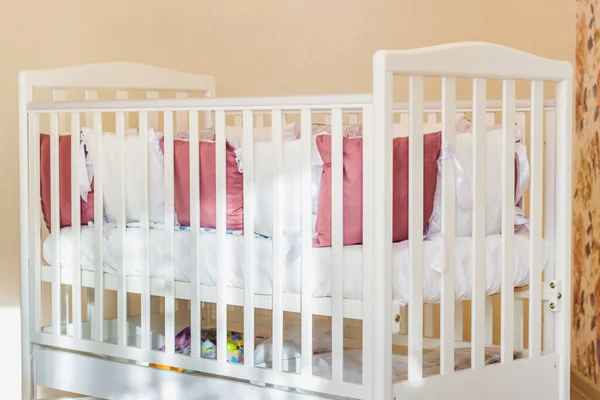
pixel 337 220
pixel 307 339
pixel 153 116
pixel 535 212
pixel 448 227
pixel 415 229
pixel 367 323
pixel 479 228
pixel 60 95
pixel 121 221
pixel 170 231
pixel 562 247
pixel 277 138
pixel 145 226
pixel 55 221
pixel 98 319
pixel 195 229
pixel 124 95
pixel 90 95
pixel 208 115
pixel 249 205
pixel 221 227
pixel 549 223
pixel 181 124
pixel 490 118
pixel 76 225
pixel 521 121
pixel 35 207
pixel 508 179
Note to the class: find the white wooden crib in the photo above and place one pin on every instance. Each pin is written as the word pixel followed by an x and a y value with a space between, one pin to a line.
pixel 376 295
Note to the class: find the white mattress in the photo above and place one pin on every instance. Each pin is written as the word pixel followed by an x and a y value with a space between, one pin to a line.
pixel 233 257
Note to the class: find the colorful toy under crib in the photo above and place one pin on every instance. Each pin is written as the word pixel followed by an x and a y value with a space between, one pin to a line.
pixel 208 340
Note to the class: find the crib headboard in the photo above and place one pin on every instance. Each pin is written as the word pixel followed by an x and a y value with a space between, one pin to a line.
pixel 110 81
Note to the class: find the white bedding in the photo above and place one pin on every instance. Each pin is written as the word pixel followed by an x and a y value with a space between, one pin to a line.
pixel 233 262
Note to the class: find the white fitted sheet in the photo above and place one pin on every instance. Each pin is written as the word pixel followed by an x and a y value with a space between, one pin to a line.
pixel 233 262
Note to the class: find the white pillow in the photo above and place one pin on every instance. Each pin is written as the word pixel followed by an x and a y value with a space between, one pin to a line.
pixel 291 181
pixel 134 173
pixel 493 179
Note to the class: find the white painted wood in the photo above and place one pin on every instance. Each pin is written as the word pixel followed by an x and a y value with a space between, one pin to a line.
pixel 28 319
pixel 181 117
pixel 90 95
pixel 98 317
pixel 337 242
pixel 536 377
pixel 486 61
pixel 249 252
pixel 479 226
pixel 170 229
pixel 447 313
pixel 562 323
pixel 380 173
pixel 307 233
pixel 277 139
pixel 521 121
pixel 121 226
pixel 60 95
pixel 289 104
pixel 76 224
pixel 55 221
pixel 195 228
pixel 35 229
pixel 490 118
pixel 124 95
pixel 153 116
pixel 415 229
pixel 221 188
pixel 145 226
pixel 125 378
pixel 368 229
pixel 550 194
pixel 535 222
pixel 508 195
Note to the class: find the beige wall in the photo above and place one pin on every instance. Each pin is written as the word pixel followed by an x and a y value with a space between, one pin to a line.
pixel 263 47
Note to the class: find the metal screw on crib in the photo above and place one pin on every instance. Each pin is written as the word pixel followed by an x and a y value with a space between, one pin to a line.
pixel 397 318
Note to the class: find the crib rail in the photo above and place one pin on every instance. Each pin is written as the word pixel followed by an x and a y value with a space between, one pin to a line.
pixel 90 330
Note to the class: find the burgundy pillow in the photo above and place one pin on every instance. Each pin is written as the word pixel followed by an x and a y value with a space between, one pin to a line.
pixel 208 186
pixel 353 188
pixel 64 181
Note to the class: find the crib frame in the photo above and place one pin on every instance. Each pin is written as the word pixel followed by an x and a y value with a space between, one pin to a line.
pixel 545 373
